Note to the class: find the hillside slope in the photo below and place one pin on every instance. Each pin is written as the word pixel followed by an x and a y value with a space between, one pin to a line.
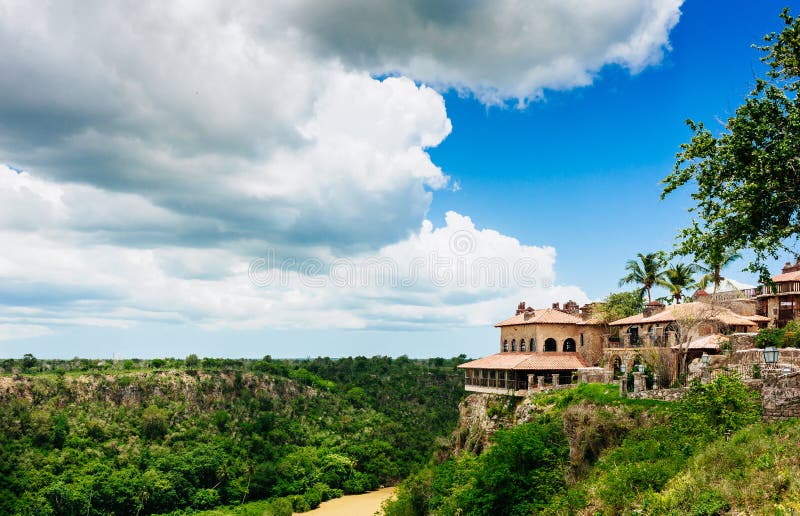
pixel 588 451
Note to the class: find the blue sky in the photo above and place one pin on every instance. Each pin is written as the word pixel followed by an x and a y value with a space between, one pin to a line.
pixel 581 170
pixel 136 194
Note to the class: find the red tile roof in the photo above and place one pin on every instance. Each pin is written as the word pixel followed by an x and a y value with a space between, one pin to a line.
pixel 696 309
pixel 708 342
pixel 787 276
pixel 551 361
pixel 541 316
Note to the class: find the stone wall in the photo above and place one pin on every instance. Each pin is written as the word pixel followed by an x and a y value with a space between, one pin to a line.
pixel 780 397
pixel 660 394
pixel 595 375
pixel 740 341
pixel 789 356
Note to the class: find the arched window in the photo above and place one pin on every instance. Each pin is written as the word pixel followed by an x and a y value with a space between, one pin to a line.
pixel 550 345
pixel 505 345
pixel 522 345
pixel 533 345
pixel 569 346
pixel 513 344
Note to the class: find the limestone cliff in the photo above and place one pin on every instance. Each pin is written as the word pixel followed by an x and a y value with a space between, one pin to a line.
pixel 589 428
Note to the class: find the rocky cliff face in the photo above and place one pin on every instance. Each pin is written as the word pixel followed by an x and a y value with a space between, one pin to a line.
pixel 481 415
pixel 589 428
pixel 132 389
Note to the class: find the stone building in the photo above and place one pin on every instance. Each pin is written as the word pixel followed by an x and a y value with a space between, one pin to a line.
pixel 545 345
pixel 781 303
pixel 777 304
pixel 697 327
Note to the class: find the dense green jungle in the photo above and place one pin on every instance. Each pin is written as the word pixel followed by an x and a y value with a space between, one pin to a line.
pixel 165 435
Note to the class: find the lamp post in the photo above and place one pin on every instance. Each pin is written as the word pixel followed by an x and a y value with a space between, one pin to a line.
pixel 640 367
pixel 771 355
pixel 623 368
pixel 704 370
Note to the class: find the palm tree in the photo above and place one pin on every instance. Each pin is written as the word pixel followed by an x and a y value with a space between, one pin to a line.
pixel 678 278
pixel 716 261
pixel 645 272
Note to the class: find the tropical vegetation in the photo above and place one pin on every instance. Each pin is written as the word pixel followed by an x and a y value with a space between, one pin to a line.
pixel 678 279
pixel 647 271
pixel 589 451
pixel 717 259
pixel 747 179
pixel 143 437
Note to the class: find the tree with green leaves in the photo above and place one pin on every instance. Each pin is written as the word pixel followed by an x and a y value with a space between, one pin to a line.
pixel 647 272
pixel 715 262
pixel 748 177
pixel 677 279
pixel 618 305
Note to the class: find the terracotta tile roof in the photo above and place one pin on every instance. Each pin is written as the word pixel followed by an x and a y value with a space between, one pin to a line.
pixel 698 309
pixel 528 362
pixel 757 318
pixel 633 319
pixel 591 321
pixel 541 316
pixel 787 276
pixel 707 342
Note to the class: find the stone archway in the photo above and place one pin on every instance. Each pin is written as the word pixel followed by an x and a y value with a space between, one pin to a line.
pixel 569 345
pixel 616 365
pixel 550 344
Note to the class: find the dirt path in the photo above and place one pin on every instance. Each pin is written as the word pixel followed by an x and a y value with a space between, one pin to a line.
pixel 365 504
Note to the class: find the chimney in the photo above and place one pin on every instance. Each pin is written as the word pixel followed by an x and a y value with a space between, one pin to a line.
pixel 652 308
pixel 571 307
pixel 556 306
pixel 520 307
pixel 791 268
pixel 528 314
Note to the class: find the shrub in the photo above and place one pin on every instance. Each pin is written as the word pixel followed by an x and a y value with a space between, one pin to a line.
pixel 724 404
pixel 769 337
pixel 281 507
pixel 205 498
pixel 29 361
pixel 791 334
pixel 191 361
pixel 221 419
pixel 154 422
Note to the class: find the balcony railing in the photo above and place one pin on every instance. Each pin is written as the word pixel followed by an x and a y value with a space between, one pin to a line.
pixel 515 385
pixel 497 383
pixel 783 287
pixel 626 340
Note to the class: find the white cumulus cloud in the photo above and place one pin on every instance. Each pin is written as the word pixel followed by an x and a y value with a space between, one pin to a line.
pixel 158 148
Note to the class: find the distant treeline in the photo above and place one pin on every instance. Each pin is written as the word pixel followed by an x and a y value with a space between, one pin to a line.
pixel 155 436
pixel 29 364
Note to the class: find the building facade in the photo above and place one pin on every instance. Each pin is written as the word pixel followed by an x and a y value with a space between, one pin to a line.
pixel 537 347
pixel 779 302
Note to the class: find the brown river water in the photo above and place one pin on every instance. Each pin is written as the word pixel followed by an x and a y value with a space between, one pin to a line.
pixel 365 504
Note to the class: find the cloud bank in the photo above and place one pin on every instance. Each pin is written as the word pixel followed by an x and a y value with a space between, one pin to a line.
pixel 154 150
